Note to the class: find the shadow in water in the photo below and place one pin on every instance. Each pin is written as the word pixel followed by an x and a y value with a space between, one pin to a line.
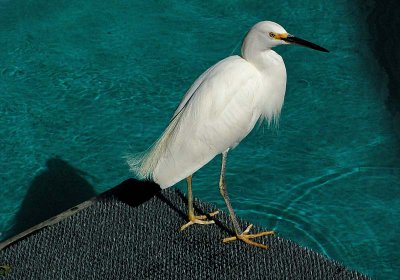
pixel 384 26
pixel 58 188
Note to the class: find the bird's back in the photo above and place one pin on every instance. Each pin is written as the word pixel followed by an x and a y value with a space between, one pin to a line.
pixel 217 112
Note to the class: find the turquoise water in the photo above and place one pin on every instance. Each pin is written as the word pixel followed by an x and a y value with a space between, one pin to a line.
pixel 83 83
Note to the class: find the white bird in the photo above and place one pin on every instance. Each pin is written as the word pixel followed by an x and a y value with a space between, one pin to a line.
pixel 217 112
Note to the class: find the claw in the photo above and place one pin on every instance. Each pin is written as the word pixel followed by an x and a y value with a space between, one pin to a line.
pixel 199 220
pixel 245 237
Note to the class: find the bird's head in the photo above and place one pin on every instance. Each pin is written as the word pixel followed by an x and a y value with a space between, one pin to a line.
pixel 272 34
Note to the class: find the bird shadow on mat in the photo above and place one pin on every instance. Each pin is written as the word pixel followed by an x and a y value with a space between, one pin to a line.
pixel 134 193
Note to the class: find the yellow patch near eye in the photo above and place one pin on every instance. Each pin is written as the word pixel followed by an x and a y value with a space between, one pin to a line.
pixel 281 36
pixel 278 36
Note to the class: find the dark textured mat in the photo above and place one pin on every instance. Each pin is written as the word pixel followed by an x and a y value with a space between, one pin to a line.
pixel 131 232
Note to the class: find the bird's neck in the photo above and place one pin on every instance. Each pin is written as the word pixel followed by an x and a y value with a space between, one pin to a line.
pixel 257 53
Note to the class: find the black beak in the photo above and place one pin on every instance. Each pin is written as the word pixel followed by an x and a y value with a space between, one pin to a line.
pixel 297 41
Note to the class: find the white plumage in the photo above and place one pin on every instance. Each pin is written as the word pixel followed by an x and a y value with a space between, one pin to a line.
pixel 217 112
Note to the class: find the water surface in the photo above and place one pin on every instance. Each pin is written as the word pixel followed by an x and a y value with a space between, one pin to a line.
pixel 83 83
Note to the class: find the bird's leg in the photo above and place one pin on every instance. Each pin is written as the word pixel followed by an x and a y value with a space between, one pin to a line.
pixel 244 236
pixel 192 218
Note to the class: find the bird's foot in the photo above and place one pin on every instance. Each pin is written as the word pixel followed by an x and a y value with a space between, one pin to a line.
pixel 199 220
pixel 245 237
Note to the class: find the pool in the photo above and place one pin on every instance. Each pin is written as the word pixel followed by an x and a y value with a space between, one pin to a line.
pixel 85 83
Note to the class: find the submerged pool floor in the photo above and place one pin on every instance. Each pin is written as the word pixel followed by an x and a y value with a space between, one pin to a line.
pixel 85 83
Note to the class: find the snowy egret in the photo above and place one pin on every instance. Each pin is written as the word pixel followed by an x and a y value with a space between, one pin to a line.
pixel 217 112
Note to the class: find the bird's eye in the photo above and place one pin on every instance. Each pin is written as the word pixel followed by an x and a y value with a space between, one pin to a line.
pixel 271 34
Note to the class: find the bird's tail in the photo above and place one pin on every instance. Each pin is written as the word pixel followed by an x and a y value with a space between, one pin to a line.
pixel 144 164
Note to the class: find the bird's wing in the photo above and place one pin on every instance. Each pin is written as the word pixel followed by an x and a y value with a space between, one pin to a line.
pixel 216 114
pixel 192 90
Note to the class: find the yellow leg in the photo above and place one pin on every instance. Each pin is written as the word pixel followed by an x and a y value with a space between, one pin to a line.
pixel 244 236
pixel 192 218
